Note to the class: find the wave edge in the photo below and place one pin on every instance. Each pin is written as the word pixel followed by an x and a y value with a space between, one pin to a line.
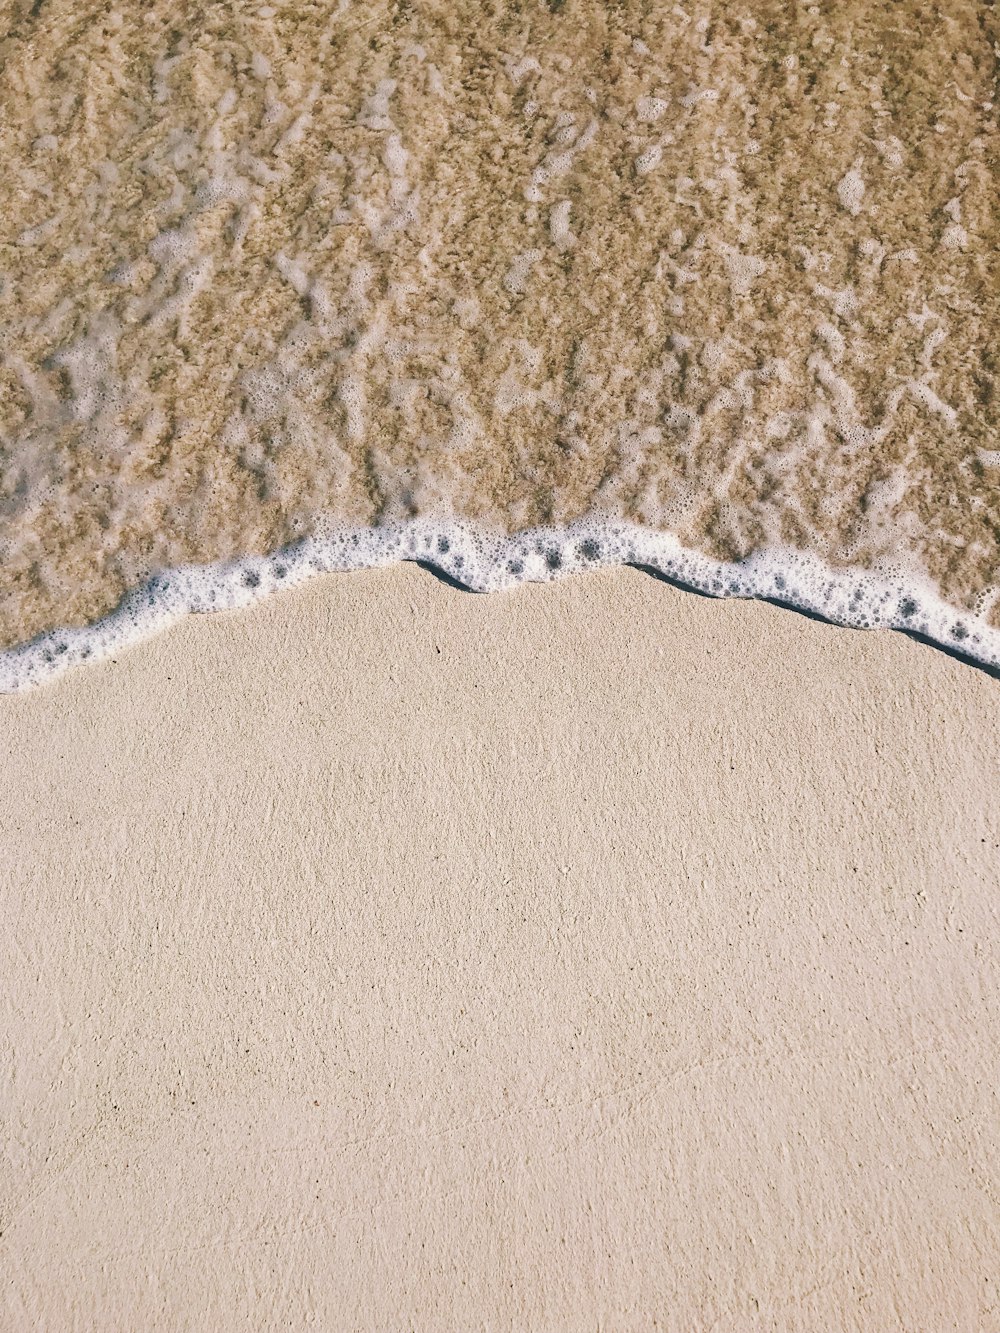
pixel 481 561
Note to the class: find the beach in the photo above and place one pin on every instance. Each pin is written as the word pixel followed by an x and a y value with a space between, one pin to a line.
pixel 588 955
pixel 499 663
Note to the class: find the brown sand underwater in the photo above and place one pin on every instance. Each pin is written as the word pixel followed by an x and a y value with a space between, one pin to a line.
pixel 725 270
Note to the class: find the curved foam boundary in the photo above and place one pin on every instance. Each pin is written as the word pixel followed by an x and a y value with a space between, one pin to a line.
pixel 485 562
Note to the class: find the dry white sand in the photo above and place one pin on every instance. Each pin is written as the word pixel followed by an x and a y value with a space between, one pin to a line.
pixel 593 956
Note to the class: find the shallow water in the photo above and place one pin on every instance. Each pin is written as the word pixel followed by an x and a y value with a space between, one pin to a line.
pixel 710 287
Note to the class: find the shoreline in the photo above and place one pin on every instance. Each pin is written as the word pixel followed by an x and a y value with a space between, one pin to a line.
pixel 479 561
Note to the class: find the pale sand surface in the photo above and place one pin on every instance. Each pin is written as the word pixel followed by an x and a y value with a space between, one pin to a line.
pixel 592 956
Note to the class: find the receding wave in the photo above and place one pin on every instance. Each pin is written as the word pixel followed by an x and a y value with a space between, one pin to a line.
pixel 484 562
pixel 709 287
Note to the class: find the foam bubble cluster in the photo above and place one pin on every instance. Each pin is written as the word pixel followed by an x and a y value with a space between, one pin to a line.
pixel 487 562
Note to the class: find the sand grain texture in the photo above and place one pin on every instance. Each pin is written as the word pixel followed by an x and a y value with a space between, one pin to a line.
pixel 592 956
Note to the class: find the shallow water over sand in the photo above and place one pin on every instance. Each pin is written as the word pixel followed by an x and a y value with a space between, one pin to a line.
pixel 726 275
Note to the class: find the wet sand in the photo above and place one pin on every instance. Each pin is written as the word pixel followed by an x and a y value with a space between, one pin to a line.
pixel 726 271
pixel 592 955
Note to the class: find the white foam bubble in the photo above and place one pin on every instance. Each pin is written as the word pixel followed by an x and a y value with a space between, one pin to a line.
pixel 516 278
pixel 559 228
pixel 851 190
pixel 649 159
pixel 517 72
pixel 694 96
pixel 650 109
pixel 743 269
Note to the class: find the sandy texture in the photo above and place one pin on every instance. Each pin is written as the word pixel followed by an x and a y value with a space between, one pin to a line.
pixel 725 269
pixel 594 956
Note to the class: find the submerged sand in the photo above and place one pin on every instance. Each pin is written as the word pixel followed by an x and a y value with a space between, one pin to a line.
pixel 591 956
pixel 727 270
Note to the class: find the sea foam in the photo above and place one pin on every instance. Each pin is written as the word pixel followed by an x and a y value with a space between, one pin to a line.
pixel 691 288
pixel 482 562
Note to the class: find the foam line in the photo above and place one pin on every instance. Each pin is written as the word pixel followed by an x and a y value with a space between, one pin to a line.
pixel 486 562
